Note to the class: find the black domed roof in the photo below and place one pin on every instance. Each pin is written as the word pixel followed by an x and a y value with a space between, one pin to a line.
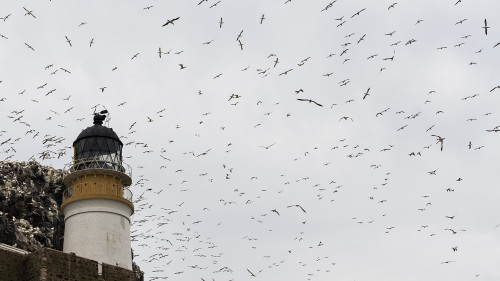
pixel 98 130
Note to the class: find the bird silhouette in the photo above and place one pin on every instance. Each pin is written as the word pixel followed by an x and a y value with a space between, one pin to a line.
pixel 251 273
pixel 439 140
pixel 345 118
pixel 171 21
pixel 28 13
pixel 267 147
pixel 310 101
pixel 69 41
pixel 485 27
pixel 366 93
pixel 392 6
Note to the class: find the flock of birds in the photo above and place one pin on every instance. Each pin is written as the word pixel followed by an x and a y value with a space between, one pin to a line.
pixel 286 140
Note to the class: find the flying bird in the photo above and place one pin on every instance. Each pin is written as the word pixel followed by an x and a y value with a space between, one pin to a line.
pixel 267 147
pixel 276 62
pixel 239 36
pixel 310 101
pixel 358 12
pixel 366 93
pixel 5 18
pixel 432 172
pixel 69 41
pixel 453 231
pixel 439 140
pixel 485 27
pixel 29 46
pixel 65 70
pixel 361 39
pixel 285 72
pixel 392 6
pixel 251 273
pixel 328 6
pixel 171 21
pixel 213 5
pixel 29 12
pixel 296 205
pixel 345 118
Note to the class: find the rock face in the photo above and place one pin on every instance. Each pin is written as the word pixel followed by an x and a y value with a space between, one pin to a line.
pixel 30 196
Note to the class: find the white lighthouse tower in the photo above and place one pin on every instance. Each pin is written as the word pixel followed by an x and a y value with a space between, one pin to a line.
pixel 96 203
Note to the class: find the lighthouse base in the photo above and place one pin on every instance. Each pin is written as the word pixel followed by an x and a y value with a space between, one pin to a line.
pixel 99 229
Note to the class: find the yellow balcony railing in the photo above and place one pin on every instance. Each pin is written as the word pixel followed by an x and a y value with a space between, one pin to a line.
pixel 81 192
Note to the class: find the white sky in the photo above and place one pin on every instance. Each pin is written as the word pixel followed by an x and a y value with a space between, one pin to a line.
pixel 372 211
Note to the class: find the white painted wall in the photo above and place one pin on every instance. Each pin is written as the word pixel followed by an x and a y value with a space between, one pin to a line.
pixel 99 229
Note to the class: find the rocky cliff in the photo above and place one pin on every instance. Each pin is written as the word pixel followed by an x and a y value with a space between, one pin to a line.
pixel 30 196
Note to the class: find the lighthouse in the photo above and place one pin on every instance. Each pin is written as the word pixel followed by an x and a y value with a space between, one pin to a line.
pixel 97 204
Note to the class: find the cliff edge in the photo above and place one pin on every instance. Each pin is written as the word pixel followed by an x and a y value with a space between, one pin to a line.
pixel 30 196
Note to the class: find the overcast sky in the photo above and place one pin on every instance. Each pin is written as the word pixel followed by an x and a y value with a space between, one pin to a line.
pixel 235 178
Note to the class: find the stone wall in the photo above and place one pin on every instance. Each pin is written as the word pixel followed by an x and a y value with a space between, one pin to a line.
pixel 11 265
pixel 47 264
pixel 115 273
